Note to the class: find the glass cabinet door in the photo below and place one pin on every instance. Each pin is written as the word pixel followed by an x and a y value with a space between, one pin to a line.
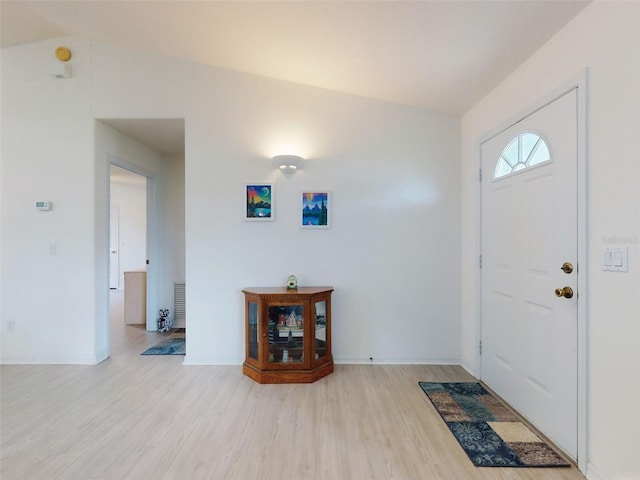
pixel 320 324
pixel 286 334
pixel 252 320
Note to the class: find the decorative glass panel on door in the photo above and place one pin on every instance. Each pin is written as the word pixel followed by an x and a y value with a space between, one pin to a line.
pixel 286 334
pixel 523 151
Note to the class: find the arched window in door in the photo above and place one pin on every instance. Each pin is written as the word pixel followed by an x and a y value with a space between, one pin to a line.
pixel 523 151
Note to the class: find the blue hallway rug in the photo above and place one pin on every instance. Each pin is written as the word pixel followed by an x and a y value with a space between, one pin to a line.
pixel 171 346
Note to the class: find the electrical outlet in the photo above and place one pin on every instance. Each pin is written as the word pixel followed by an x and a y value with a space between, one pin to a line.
pixel 12 325
pixel 53 248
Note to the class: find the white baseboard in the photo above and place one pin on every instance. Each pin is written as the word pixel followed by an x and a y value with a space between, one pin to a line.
pixel 191 360
pixel 593 473
pixel 394 361
pixel 51 361
pixel 470 370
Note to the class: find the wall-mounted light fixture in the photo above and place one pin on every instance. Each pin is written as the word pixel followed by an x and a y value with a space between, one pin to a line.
pixel 287 163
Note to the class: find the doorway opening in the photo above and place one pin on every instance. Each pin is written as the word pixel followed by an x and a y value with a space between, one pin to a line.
pixel 128 224
pixel 128 242
pixel 145 165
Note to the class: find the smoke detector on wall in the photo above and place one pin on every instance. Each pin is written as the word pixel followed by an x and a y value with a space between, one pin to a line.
pixel 61 70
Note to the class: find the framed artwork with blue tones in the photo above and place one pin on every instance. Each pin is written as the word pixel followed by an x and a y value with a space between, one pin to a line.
pixel 316 209
pixel 259 202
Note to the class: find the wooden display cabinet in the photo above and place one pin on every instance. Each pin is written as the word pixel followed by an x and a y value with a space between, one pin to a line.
pixel 288 334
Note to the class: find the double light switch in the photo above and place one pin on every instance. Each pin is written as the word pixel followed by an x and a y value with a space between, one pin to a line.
pixel 615 259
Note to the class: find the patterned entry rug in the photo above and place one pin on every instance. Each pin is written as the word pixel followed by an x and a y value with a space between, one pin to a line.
pixel 170 346
pixel 489 433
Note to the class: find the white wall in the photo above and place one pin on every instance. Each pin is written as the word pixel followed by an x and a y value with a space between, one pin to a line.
pixel 130 195
pixel 604 38
pixel 170 209
pixel 392 253
pixel 392 171
pixel 47 154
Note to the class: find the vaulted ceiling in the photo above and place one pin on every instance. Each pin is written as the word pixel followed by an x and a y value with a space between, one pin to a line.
pixel 439 55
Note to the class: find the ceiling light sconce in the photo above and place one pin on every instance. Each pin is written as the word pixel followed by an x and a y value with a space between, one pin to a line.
pixel 287 163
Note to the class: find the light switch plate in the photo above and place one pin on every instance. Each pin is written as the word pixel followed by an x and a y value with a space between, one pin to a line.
pixel 615 259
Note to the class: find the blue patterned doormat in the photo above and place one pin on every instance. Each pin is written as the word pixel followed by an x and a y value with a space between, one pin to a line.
pixel 171 346
pixel 490 434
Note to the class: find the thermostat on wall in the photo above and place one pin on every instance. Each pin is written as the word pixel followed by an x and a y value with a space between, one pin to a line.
pixel 43 205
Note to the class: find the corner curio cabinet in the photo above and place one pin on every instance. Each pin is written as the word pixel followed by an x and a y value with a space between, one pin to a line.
pixel 288 334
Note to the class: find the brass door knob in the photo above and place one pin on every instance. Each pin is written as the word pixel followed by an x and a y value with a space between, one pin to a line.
pixel 567 267
pixel 566 292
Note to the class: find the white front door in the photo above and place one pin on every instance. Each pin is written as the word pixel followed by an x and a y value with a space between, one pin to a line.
pixel 529 230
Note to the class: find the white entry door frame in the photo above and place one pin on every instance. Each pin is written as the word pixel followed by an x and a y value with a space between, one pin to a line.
pixel 579 84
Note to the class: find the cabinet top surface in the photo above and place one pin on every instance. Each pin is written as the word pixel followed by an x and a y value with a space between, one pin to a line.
pixel 286 291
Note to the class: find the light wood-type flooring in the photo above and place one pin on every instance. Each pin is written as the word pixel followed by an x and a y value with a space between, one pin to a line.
pixel 150 417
